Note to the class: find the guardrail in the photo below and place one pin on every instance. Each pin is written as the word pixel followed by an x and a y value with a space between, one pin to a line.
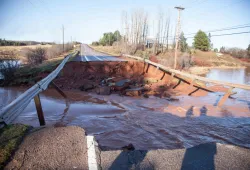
pixel 11 111
pixel 195 77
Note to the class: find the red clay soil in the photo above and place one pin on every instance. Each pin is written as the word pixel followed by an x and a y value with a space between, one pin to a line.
pixel 153 80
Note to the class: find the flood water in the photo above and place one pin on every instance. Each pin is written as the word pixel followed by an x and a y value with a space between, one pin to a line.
pixel 150 123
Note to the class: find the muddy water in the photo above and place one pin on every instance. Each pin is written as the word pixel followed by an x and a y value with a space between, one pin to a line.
pixel 148 123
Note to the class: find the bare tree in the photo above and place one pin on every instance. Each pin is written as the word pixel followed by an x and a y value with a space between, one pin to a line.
pixel 162 35
pixel 136 30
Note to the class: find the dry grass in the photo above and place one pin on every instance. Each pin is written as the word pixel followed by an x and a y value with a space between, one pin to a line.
pixel 200 58
pixel 30 75
pixel 18 51
pixel 112 50
pixel 7 48
pixel 215 61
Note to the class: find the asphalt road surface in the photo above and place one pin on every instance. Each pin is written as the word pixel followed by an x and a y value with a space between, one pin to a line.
pixel 88 54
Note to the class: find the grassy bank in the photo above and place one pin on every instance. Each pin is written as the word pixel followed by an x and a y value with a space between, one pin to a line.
pixel 10 137
pixel 28 75
pixel 199 63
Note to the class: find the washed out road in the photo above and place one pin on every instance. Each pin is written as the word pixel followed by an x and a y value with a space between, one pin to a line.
pixel 87 54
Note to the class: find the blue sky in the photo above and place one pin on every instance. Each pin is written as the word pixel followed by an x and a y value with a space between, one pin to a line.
pixel 85 21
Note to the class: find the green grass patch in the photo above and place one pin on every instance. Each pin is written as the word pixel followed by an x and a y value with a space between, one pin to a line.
pixel 30 75
pixel 10 138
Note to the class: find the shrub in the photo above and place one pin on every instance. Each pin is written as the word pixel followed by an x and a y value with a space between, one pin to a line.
pixel 185 61
pixel 57 49
pixel 202 63
pixel 68 47
pixel 235 52
pixel 95 43
pixel 36 56
pixel 8 68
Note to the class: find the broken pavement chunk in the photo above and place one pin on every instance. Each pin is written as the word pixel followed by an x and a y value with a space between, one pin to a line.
pixel 121 85
pixel 103 90
pixel 122 82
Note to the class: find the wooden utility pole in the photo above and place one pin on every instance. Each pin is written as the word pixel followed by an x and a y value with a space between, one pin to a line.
pixel 63 36
pixel 178 27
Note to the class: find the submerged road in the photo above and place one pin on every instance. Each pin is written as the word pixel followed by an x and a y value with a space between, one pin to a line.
pixel 88 54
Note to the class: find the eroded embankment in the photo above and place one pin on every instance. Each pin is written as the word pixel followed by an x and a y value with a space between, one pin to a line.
pixel 130 78
pixel 146 121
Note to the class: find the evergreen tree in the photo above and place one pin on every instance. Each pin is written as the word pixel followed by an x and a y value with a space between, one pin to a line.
pixel 201 41
pixel 117 35
pixel 248 50
pixel 210 42
pixel 183 43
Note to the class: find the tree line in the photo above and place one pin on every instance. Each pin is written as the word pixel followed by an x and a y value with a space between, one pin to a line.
pixel 236 52
pixel 108 39
pixel 135 31
pixel 4 42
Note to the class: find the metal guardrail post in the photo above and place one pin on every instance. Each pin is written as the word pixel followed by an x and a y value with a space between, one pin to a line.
pixel 39 110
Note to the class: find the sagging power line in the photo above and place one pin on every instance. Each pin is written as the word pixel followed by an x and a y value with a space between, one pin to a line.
pixel 221 29
pixel 218 35
pixel 225 29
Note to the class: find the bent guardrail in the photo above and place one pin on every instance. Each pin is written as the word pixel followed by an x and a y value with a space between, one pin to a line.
pixel 195 77
pixel 12 110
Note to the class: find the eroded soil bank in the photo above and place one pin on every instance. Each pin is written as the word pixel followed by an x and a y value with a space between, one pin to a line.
pixel 121 76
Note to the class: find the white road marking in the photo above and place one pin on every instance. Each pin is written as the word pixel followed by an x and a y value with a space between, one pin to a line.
pixel 91 153
pixel 104 58
pixel 86 58
pixel 98 58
